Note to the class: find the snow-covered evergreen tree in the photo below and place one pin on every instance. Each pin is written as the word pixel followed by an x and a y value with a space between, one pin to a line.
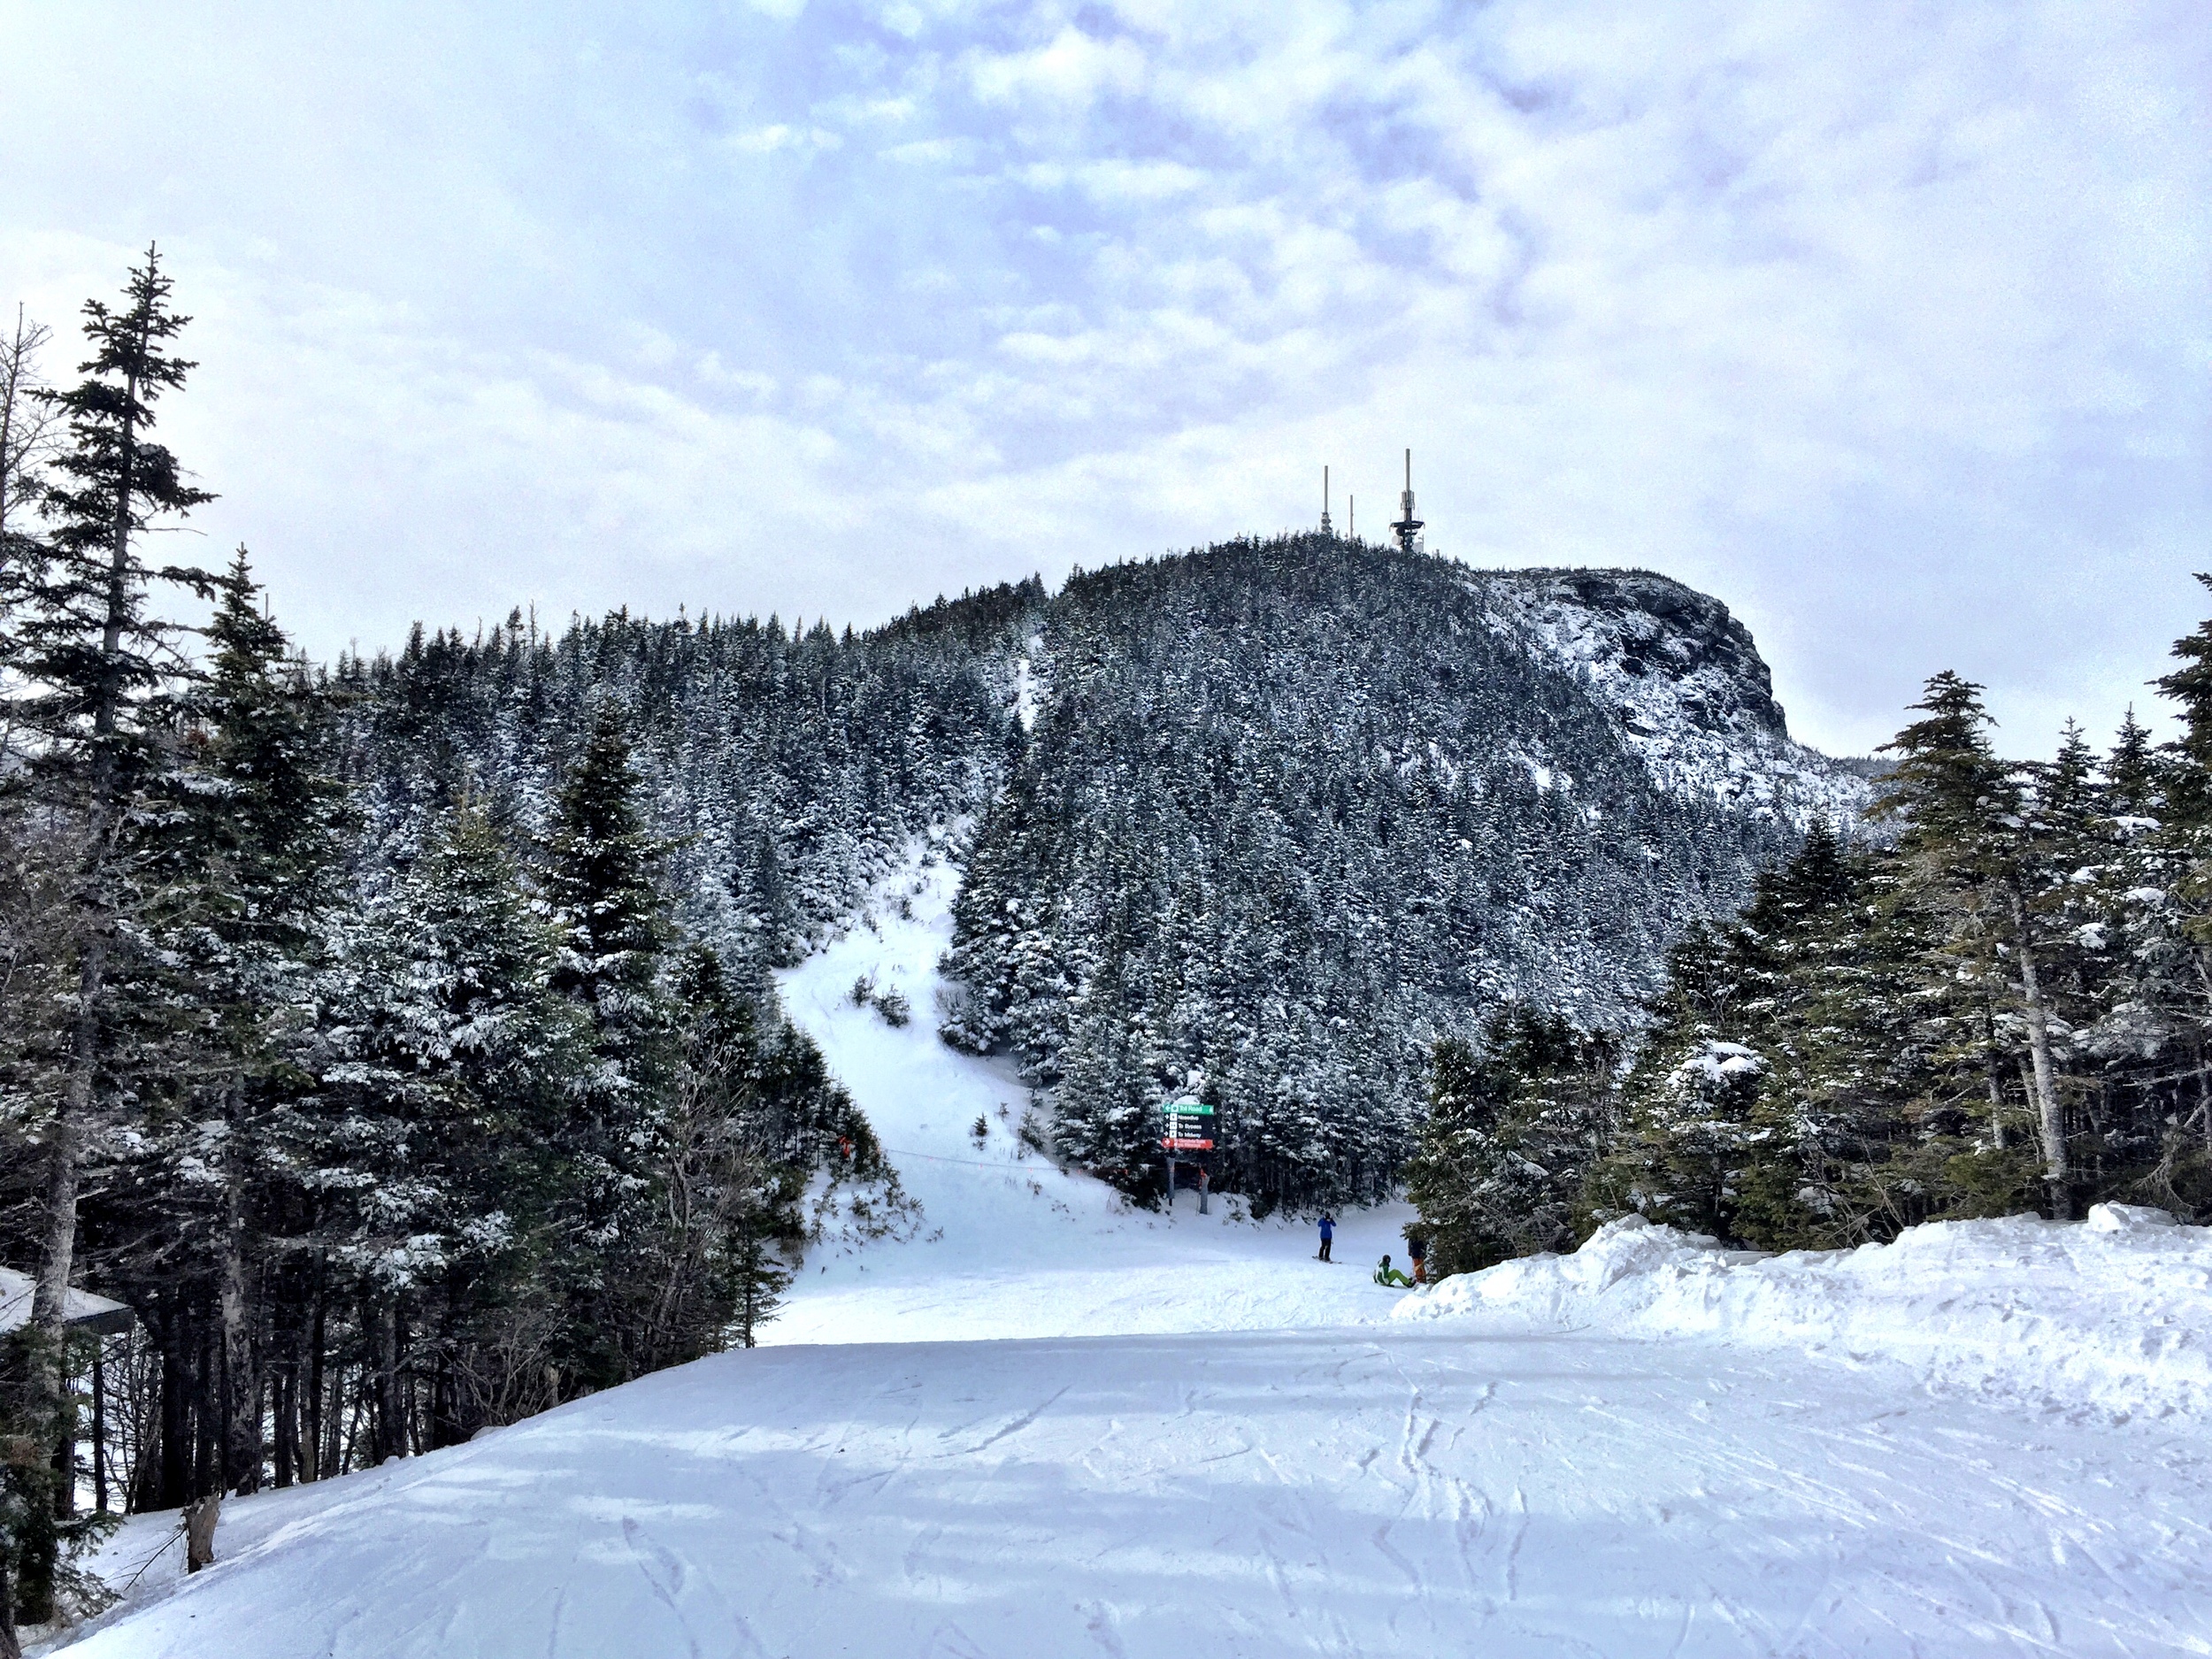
pixel 94 663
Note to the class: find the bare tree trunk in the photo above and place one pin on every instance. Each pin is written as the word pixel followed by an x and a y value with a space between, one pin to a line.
pixel 314 1461
pixel 2050 1116
pixel 207 1444
pixel 387 1425
pixel 174 1488
pixel 350 1445
pixel 241 1398
pixel 65 1148
pixel 1996 1102
pixel 199 1531
pixel 287 1336
pixel 46 1341
pixel 287 1400
pixel 66 1442
pixel 99 1426
pixel 11 1646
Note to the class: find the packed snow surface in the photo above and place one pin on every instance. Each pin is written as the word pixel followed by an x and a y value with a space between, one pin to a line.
pixel 1416 1492
pixel 1987 1439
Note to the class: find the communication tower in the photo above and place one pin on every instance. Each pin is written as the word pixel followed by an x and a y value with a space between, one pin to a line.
pixel 1407 526
pixel 1325 503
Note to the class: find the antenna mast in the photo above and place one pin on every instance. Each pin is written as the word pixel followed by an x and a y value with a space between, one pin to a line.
pixel 1408 525
pixel 1324 502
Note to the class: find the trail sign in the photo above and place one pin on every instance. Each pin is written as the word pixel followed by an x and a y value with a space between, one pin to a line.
pixel 1189 1127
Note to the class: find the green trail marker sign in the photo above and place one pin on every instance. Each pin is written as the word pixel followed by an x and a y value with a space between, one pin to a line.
pixel 1189 1125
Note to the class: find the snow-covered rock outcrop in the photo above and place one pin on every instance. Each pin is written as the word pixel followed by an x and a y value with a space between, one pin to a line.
pixel 2112 1315
pixel 1685 679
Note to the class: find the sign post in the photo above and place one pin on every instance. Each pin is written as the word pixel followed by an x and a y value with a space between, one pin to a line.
pixel 1189 1126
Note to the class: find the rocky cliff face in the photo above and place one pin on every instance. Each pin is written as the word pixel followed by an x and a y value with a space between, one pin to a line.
pixel 1683 678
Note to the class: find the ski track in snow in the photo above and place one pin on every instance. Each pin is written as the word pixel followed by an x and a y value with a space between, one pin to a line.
pixel 1207 1443
pixel 1279 1492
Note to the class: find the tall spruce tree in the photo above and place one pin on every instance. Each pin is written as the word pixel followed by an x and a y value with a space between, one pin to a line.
pixel 1832 1014
pixel 2188 779
pixel 452 1061
pixel 733 1171
pixel 250 869
pixel 600 881
pixel 2159 1001
pixel 2131 769
pixel 95 664
pixel 1974 854
pixel 1511 1134
pixel 1447 1179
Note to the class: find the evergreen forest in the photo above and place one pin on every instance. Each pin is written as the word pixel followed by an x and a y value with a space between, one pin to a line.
pixel 351 1030
pixel 1996 1003
pixel 398 1037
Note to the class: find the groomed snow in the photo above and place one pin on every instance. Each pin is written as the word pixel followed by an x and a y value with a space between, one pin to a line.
pixel 1412 1491
pixel 1988 1438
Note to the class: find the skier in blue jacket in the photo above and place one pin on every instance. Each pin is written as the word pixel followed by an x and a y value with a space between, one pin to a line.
pixel 1328 1231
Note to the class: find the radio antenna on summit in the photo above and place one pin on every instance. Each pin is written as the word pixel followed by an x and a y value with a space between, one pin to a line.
pixel 1325 503
pixel 1408 526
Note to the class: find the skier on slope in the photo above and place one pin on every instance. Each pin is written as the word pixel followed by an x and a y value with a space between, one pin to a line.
pixel 1418 1247
pixel 1328 1231
pixel 1388 1275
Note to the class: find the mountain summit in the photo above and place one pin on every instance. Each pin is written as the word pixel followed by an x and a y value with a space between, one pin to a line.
pixel 1282 812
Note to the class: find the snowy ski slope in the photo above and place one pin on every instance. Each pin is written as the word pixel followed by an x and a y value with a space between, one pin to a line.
pixel 1203 1442
pixel 1010 1246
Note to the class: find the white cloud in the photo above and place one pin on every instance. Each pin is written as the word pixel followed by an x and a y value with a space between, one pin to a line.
pixel 1074 69
pixel 1114 178
pixel 1889 324
pixel 926 152
pixel 766 140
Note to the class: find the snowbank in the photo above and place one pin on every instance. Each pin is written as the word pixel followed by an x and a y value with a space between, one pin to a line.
pixel 2113 1315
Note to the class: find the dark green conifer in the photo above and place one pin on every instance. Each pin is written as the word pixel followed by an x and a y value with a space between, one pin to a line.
pixel 93 665
pixel 1977 853
pixel 600 879
pixel 2189 771
pixel 244 883
pixel 1512 1131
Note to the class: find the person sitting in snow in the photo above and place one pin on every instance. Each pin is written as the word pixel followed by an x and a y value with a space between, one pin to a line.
pixel 1328 1231
pixel 1386 1274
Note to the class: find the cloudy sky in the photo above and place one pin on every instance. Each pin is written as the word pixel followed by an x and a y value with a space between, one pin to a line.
pixel 1890 325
